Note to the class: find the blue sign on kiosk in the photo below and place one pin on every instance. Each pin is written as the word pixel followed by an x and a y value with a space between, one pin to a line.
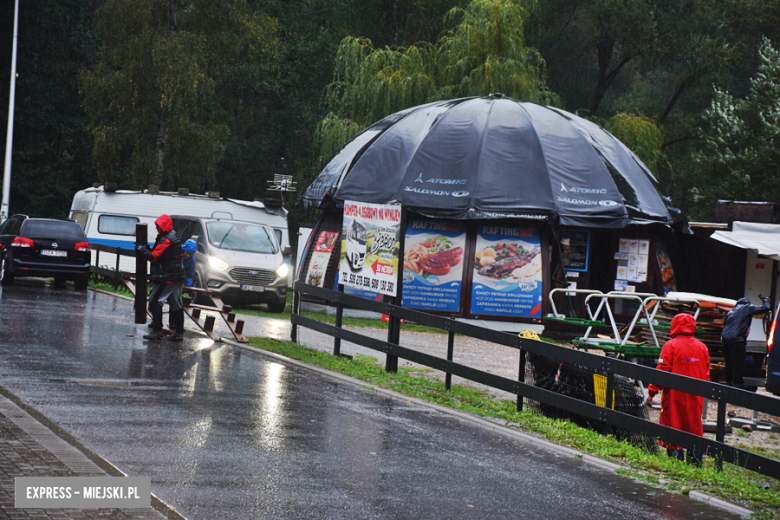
pixel 507 278
pixel 433 265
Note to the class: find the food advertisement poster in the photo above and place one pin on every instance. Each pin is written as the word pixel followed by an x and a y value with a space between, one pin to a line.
pixel 433 264
pixel 507 278
pixel 320 257
pixel 369 247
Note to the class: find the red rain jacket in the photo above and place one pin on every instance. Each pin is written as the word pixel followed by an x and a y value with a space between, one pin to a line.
pixel 161 244
pixel 166 255
pixel 685 356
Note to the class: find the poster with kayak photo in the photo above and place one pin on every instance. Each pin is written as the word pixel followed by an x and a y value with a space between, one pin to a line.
pixel 507 278
pixel 433 264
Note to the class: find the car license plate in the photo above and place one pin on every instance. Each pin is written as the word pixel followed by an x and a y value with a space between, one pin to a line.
pixel 52 252
pixel 253 288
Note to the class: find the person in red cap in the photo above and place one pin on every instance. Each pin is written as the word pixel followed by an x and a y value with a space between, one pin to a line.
pixel 167 277
pixel 686 356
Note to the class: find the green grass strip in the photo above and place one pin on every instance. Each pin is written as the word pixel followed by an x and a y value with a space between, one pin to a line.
pixel 735 484
pixel 104 286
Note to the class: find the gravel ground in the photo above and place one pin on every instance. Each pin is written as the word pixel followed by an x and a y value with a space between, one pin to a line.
pixel 495 359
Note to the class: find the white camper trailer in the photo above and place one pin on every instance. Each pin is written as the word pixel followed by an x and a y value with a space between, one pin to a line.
pixel 109 217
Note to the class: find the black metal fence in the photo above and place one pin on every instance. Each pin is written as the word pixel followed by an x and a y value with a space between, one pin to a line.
pixel 605 365
pixel 115 276
pixel 103 272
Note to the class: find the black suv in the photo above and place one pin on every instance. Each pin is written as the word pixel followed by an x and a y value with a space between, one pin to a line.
pixel 44 247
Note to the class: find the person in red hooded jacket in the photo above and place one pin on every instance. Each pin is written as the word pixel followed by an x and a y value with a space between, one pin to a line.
pixel 686 356
pixel 167 278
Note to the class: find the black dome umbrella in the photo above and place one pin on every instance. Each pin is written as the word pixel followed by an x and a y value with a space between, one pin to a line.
pixel 494 157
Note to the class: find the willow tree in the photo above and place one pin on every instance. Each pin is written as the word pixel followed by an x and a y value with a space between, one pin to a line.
pixel 639 133
pixel 153 96
pixel 486 52
pixel 483 52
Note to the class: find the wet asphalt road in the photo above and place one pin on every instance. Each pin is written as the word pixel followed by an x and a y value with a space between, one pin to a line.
pixel 229 434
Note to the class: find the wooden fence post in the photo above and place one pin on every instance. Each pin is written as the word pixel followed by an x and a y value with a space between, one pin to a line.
pixel 450 352
pixel 339 318
pixel 140 275
pixel 394 324
pixel 296 309
pixel 521 378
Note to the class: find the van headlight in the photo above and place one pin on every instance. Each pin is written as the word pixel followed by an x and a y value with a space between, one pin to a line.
pixel 217 264
pixel 282 270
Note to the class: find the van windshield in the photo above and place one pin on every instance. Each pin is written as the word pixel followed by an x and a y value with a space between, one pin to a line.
pixel 357 232
pixel 234 236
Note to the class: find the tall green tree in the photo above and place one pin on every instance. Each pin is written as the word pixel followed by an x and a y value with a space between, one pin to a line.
pixel 659 58
pixel 641 134
pixel 170 79
pixel 591 44
pixel 311 31
pixel 483 52
pixel 740 157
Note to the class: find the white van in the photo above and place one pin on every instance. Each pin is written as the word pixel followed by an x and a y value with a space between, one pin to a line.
pixel 241 261
pixel 109 217
pixel 356 245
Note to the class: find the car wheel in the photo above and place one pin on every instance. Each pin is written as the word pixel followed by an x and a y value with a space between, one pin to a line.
pixel 6 277
pixel 81 283
pixel 277 307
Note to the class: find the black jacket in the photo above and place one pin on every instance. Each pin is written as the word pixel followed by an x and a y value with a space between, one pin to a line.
pixel 166 258
pixel 736 326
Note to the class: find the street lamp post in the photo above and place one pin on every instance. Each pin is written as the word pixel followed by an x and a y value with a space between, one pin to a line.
pixel 10 134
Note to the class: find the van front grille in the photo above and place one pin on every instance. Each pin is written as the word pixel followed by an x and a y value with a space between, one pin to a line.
pixel 247 276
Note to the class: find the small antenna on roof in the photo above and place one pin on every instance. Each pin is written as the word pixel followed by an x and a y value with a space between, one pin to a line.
pixel 282 182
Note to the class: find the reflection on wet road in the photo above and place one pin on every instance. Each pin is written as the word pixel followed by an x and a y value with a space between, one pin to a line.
pixel 229 434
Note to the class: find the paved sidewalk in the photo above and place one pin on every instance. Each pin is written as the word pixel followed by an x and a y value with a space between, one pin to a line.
pixel 28 448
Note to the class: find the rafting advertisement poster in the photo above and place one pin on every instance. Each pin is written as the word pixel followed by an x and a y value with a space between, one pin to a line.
pixel 507 277
pixel 433 264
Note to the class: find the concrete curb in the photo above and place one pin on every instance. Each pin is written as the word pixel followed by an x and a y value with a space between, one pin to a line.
pixel 720 504
pixel 111 294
